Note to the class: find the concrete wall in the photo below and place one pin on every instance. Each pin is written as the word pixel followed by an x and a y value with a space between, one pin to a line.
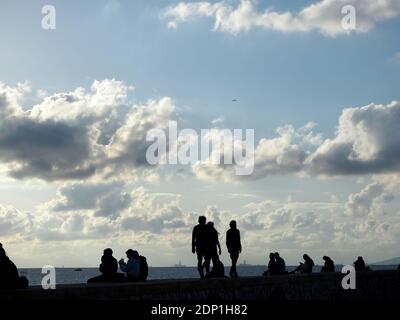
pixel 370 285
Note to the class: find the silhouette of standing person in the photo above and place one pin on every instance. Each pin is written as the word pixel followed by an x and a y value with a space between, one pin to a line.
pixel 212 246
pixel 234 247
pixel 199 242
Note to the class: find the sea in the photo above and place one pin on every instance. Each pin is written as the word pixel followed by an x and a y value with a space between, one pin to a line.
pixel 81 275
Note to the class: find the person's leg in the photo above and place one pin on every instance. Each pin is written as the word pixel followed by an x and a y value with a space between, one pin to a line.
pixel 207 260
pixel 119 277
pixel 200 263
pixel 231 271
pixel 234 257
pixel 23 282
pixel 214 256
pixel 97 279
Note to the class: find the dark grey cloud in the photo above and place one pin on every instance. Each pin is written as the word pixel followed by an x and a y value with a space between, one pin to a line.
pixel 78 135
pixel 104 199
pixel 49 149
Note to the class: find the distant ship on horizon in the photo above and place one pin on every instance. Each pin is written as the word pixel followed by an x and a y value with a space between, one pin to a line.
pixel 244 264
pixel 179 265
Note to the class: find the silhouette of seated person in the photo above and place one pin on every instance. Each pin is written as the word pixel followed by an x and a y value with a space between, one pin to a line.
pixel 280 264
pixel 132 267
pixel 272 269
pixel 212 247
pixel 218 269
pixel 108 269
pixel 234 247
pixel 359 264
pixel 329 265
pixel 9 277
pixel 144 269
pixel 306 266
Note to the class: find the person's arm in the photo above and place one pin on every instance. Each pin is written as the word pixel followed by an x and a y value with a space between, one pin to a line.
pixel 194 240
pixel 219 246
pixel 228 241
pixel 115 265
pixel 122 266
pixel 240 243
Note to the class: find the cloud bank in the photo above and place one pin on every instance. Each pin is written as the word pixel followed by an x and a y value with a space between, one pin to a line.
pixel 323 16
pixel 99 135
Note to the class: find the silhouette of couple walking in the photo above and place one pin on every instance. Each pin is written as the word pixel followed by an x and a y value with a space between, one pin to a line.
pixel 206 245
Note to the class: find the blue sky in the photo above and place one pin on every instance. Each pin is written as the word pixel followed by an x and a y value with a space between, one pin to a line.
pixel 273 75
pixel 279 78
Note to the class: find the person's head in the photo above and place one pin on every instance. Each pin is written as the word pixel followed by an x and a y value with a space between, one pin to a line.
pixel 276 254
pixel 360 258
pixel 210 224
pixel 272 255
pixel 132 253
pixel 325 258
pixel 232 224
pixel 107 252
pixel 202 220
pixel 305 256
pixel 2 251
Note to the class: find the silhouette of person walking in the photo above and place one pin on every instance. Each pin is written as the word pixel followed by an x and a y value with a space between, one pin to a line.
pixel 359 264
pixel 212 246
pixel 329 265
pixel 108 269
pixel 199 235
pixel 9 277
pixel 234 247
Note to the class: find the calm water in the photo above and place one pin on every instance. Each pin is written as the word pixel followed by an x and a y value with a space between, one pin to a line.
pixel 70 276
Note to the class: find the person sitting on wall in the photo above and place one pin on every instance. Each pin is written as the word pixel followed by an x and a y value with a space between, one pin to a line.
pixel 305 267
pixel 280 264
pixel 132 267
pixel 108 269
pixel 144 269
pixel 359 264
pixel 329 265
pixel 272 267
pixel 9 277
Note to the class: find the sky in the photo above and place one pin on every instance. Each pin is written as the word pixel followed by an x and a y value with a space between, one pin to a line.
pixel 76 103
